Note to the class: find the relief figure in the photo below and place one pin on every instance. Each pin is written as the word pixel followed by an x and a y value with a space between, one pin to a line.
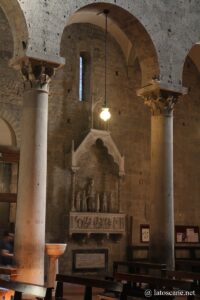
pixel 104 203
pixel 84 202
pixel 91 196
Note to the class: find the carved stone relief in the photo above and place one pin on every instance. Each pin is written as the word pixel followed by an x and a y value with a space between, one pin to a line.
pixel 95 195
pixel 95 223
pixel 89 200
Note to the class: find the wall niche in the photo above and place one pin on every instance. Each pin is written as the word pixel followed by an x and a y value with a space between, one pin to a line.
pixel 97 168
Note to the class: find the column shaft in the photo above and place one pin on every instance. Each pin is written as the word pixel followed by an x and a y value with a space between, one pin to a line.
pixel 162 197
pixel 161 98
pixel 31 202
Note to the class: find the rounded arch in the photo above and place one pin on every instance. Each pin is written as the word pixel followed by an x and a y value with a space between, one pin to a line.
pixel 194 55
pixel 17 22
pixel 187 136
pixel 7 137
pixel 13 125
pixel 184 37
pixel 126 29
pixel 191 58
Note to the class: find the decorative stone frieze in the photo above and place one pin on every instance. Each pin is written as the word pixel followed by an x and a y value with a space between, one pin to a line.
pixel 160 98
pixel 96 223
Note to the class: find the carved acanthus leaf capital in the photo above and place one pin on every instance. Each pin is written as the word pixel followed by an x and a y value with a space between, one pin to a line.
pixel 161 103
pixel 160 98
pixel 36 73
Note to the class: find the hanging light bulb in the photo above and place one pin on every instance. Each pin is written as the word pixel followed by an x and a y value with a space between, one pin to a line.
pixel 105 114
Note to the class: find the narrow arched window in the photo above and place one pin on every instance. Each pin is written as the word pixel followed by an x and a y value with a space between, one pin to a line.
pixel 81 75
pixel 84 76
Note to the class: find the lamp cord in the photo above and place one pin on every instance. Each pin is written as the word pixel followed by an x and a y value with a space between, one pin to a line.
pixel 106 33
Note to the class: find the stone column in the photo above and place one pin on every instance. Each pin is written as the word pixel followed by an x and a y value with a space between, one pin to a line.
pixel 31 201
pixel 161 101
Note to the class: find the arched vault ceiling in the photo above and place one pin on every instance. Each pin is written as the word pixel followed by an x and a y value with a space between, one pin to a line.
pixel 127 31
pixel 87 16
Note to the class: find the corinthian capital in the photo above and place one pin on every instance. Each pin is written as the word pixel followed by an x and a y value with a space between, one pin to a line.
pixel 160 98
pixel 36 73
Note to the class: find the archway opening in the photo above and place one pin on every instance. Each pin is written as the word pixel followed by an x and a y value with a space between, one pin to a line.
pixel 15 17
pixel 187 142
pixel 8 176
pixel 7 137
pixel 127 31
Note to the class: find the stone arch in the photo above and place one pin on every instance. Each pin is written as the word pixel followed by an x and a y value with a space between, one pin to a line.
pixel 7 138
pixel 170 43
pixel 17 22
pixel 183 37
pixel 171 35
pixel 132 28
pixel 187 137
pixel 191 57
pixel 194 55
pixel 13 123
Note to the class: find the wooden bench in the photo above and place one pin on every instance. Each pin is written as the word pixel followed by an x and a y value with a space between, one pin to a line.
pixel 89 282
pixel 182 275
pixel 20 288
pixel 11 272
pixel 194 277
pixel 188 265
pixel 135 284
pixel 138 266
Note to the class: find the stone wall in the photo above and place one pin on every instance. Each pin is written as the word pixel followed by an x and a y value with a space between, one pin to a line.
pixel 11 86
pixel 70 119
pixel 173 31
pixel 187 149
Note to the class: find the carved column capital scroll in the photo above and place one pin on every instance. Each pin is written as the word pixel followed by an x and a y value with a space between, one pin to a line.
pixel 160 98
pixel 36 73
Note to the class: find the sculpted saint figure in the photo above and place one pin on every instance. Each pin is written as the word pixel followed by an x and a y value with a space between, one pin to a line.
pixel 97 203
pixel 84 202
pixel 112 206
pixel 104 203
pixel 78 201
pixel 91 195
